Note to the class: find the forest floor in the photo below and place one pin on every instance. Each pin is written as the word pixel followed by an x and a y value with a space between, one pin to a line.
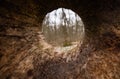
pixel 60 49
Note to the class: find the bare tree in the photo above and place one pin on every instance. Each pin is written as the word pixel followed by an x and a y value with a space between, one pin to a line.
pixel 66 31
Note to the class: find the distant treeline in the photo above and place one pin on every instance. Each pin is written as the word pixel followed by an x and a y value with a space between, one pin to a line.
pixel 68 30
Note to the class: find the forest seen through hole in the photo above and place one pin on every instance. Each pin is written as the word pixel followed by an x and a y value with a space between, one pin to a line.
pixel 63 28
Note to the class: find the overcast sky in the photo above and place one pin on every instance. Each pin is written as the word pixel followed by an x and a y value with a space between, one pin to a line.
pixel 56 18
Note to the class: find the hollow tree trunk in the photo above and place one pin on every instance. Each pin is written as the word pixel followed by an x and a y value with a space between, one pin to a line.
pixel 97 58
